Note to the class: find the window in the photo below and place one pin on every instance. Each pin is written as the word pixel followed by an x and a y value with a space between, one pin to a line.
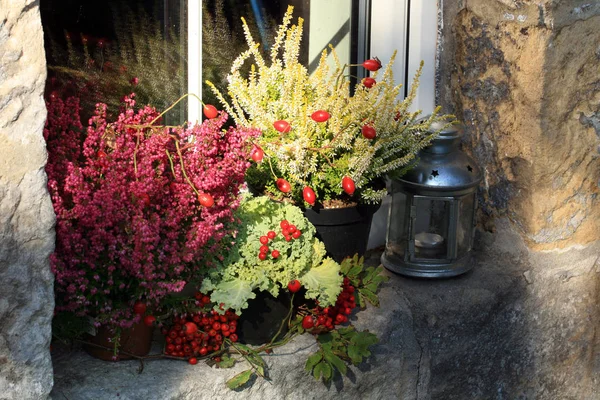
pixel 171 46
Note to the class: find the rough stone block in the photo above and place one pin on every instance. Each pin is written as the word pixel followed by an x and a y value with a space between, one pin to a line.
pixel 26 214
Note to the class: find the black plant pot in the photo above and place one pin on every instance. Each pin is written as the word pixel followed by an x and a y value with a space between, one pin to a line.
pixel 344 231
pixel 261 320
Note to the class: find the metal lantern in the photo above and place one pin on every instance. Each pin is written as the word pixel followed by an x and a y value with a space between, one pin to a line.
pixel 431 222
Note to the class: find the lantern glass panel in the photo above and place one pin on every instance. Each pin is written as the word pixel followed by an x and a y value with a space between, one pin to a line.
pixel 464 234
pixel 397 234
pixel 431 228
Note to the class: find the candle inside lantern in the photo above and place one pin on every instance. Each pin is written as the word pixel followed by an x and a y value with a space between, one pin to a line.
pixel 429 245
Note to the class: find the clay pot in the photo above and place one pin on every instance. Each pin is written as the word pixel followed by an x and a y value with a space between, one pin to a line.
pixel 135 340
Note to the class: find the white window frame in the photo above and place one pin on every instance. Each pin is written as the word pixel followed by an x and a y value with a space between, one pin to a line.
pixel 410 27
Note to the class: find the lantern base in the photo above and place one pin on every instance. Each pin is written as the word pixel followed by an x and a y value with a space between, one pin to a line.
pixel 429 269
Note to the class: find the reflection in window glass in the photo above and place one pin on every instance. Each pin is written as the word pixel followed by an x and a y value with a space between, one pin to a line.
pixel 101 51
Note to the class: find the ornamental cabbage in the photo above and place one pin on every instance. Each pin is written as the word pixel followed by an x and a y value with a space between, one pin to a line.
pixel 234 279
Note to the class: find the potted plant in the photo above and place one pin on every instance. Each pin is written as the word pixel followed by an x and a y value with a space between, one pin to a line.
pixel 273 246
pixel 272 284
pixel 324 144
pixel 139 206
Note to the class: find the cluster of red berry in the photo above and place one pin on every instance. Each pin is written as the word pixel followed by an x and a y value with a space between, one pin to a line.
pixel 326 318
pixel 199 334
pixel 289 232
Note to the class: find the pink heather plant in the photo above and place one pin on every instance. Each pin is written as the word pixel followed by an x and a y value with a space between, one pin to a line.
pixel 129 222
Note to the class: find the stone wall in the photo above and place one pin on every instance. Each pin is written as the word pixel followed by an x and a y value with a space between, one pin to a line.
pixel 26 215
pixel 524 77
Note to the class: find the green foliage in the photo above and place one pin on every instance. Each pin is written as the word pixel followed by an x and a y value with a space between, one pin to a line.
pixel 240 379
pixel 365 280
pixel 336 349
pixel 233 279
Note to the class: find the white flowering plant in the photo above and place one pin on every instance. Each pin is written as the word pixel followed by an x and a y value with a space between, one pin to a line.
pixel 322 143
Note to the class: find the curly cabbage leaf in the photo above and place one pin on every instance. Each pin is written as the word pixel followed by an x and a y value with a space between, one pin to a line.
pixel 323 282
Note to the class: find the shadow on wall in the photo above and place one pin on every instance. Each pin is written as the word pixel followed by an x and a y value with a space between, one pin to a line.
pixel 521 87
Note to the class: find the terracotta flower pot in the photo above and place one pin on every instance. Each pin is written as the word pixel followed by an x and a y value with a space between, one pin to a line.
pixel 135 340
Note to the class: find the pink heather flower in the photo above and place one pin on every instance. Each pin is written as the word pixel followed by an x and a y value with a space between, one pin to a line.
pixel 140 224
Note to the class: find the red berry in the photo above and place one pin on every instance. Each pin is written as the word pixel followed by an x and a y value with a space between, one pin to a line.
pixel 348 185
pixel 206 299
pixel 203 351
pixel 264 248
pixel 284 224
pixel 296 234
pixel 216 326
pixel 144 198
pixel 372 65
pixel 369 82
pixel 102 159
pixel 291 229
pixel 233 337
pixel 139 307
pixel 206 199
pixel 257 154
pixel 149 320
pixel 282 126
pixel 190 327
pixel 271 234
pixel 309 195
pixel 294 285
pixel 308 322
pixel 275 254
pixel 397 116
pixel 368 132
pixel 288 238
pixel 320 116
pixel 193 361
pixel 264 239
pixel 209 111
pixel 283 185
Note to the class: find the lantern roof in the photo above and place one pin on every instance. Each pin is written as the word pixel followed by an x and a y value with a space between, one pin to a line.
pixel 442 166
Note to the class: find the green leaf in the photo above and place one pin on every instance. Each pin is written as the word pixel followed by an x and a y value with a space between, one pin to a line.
pixel 240 379
pixel 325 338
pixel 354 354
pixel 359 346
pixel 370 296
pixel 234 293
pixel 347 331
pixel 260 370
pixel 323 370
pixel 226 362
pixel 336 362
pixel 355 270
pixel 313 360
pixel 323 282
pixel 372 287
pixel 318 370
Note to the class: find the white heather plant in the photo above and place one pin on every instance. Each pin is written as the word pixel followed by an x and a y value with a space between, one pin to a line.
pixel 319 142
